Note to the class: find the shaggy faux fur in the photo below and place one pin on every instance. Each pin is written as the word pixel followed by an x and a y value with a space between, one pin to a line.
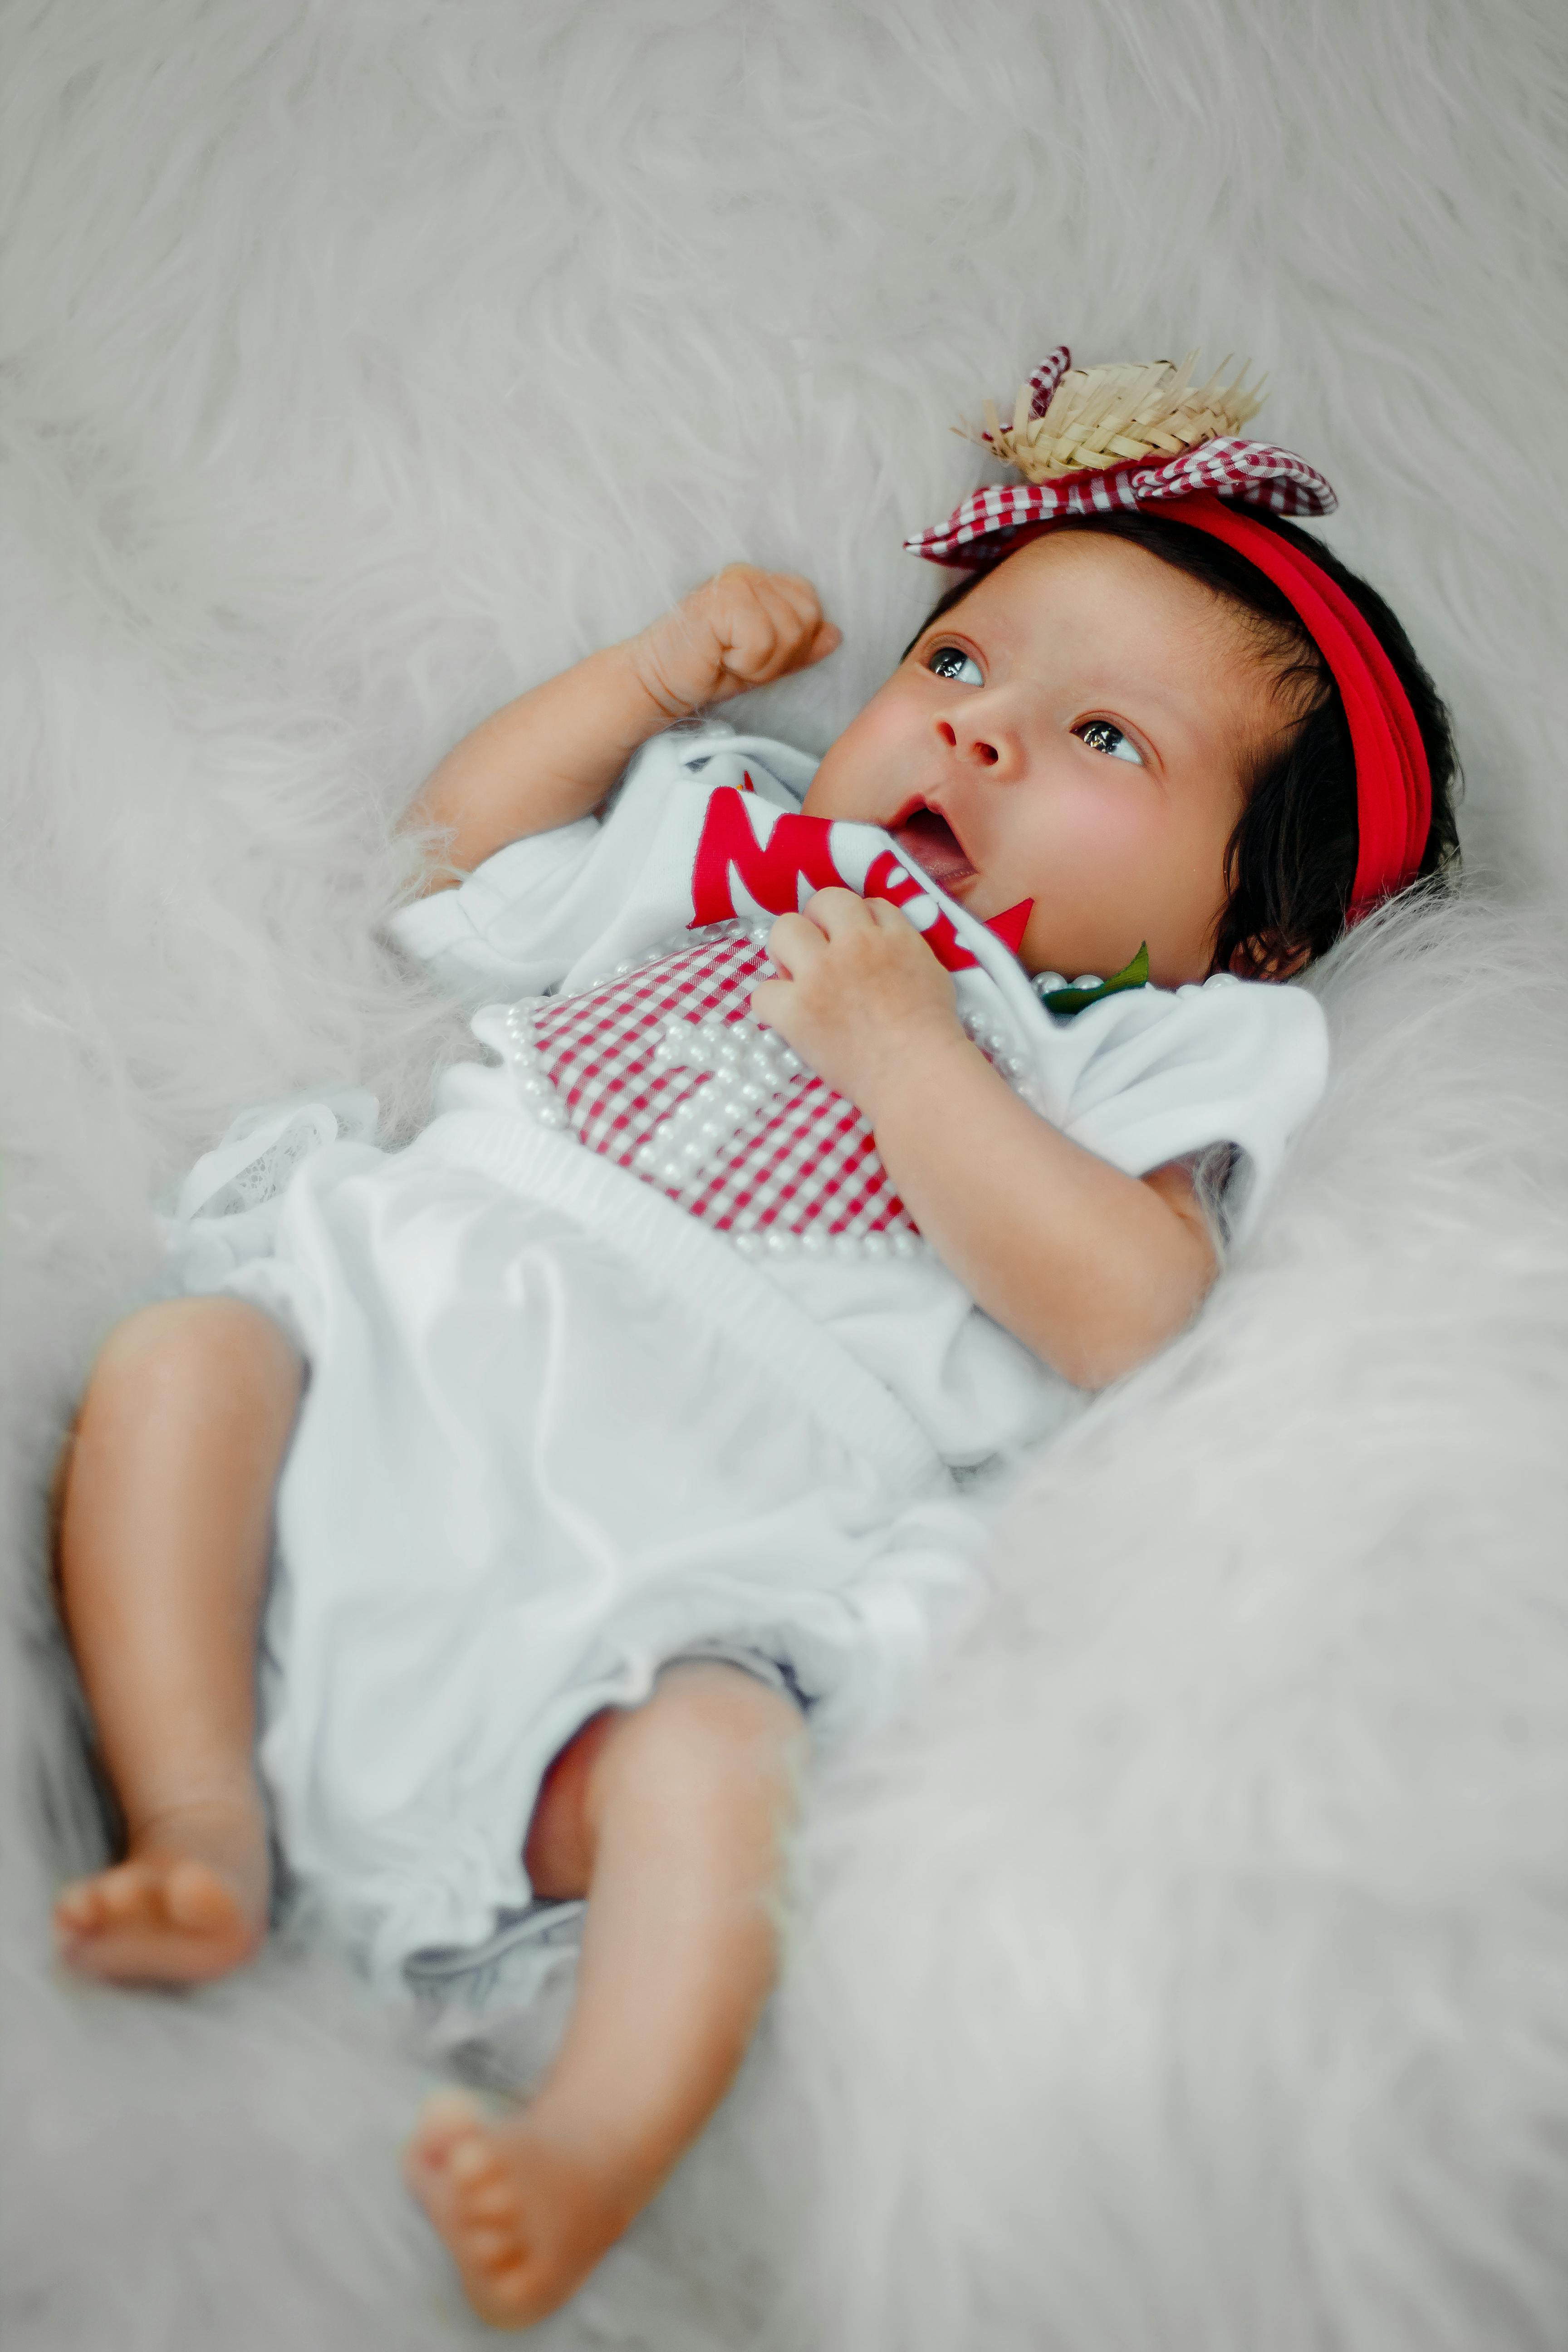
pixel 1190 1971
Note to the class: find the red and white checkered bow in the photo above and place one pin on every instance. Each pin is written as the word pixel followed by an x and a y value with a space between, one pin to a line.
pixel 982 529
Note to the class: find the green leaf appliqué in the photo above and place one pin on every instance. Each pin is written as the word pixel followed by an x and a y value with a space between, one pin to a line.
pixel 1073 1000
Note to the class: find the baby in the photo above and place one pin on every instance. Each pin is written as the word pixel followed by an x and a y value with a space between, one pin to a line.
pixel 565 1461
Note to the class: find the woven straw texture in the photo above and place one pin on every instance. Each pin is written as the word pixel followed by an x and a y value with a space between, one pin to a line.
pixel 1099 417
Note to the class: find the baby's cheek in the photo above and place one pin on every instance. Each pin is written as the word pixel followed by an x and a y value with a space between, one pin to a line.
pixel 861 777
pixel 1115 818
pixel 1095 839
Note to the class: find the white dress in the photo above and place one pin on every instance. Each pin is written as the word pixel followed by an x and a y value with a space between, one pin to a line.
pixel 635 1348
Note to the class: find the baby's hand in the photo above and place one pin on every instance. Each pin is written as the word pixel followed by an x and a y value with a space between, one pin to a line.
pixel 741 628
pixel 859 996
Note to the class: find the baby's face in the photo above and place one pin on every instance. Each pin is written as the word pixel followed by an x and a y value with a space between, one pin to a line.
pixel 1077 732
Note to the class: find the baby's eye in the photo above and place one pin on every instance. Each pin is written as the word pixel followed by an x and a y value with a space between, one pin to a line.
pixel 952 661
pixel 1101 736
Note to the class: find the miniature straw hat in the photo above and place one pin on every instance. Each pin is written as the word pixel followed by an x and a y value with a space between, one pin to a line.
pixel 1129 434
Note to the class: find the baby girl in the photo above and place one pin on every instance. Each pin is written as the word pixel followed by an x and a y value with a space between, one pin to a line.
pixel 845 1121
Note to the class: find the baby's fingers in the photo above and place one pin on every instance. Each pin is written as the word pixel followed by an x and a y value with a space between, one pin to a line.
pixel 827 640
pixel 770 1002
pixel 793 941
pixel 806 606
pixel 835 911
pixel 774 624
pixel 814 636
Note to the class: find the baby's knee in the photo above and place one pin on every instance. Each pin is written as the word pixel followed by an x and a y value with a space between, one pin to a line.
pixel 712 1719
pixel 711 1738
pixel 196 1350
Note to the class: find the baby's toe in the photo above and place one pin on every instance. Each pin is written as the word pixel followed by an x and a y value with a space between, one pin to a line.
pixel 79 1908
pixel 195 1898
pixel 490 2201
pixel 446 2121
pixel 129 1896
pixel 511 2290
pixel 474 2164
pixel 487 2248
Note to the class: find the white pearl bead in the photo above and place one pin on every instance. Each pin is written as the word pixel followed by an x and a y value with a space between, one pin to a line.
pixel 780 1242
pixel 905 1245
pixel 876 1245
pixel 1089 980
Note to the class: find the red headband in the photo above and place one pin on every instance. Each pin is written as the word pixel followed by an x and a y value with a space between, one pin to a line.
pixel 1392 781
pixel 1202 487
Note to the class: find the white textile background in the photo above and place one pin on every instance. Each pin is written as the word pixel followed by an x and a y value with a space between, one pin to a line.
pixel 1188 1972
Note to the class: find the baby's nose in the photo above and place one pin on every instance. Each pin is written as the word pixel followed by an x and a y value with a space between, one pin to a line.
pixel 980 741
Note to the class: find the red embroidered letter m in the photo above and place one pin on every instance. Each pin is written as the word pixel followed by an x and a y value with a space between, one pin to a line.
pixel 770 872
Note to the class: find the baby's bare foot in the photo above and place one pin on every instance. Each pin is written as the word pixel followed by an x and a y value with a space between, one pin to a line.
pixel 188 1903
pixel 524 2220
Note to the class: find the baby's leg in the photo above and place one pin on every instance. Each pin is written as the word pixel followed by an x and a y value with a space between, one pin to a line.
pixel 165 1529
pixel 670 1819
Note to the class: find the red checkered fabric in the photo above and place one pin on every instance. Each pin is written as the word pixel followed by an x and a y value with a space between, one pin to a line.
pixel 1046 378
pixel 985 528
pixel 806 1159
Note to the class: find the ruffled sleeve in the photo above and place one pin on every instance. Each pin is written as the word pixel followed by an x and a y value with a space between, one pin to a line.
pixel 513 927
pixel 1156 1075
pixel 559 909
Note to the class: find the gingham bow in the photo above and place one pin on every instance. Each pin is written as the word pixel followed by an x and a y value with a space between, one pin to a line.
pixel 981 530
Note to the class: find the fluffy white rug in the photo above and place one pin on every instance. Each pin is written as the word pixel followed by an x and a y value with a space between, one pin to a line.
pixel 1190 1970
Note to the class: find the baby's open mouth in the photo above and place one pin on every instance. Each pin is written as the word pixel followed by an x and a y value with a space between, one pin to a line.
pixel 928 841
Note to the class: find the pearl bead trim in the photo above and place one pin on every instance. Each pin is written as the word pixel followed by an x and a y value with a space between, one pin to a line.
pixel 745 1066
pixel 815 1247
pixel 534 1087
pixel 994 1044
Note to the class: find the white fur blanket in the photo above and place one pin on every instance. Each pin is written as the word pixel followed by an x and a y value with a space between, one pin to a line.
pixel 1189 1971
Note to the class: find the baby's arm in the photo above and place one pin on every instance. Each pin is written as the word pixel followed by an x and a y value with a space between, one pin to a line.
pixel 1091 1269
pixel 551 755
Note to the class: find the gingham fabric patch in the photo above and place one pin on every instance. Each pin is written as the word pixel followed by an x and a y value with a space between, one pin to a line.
pixel 663 1069
pixel 1252 473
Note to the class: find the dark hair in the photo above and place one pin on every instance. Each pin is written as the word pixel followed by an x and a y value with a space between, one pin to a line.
pixel 1292 860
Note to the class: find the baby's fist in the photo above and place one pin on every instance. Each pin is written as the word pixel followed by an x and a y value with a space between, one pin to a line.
pixel 741 628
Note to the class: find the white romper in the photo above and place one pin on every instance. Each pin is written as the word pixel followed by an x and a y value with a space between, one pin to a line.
pixel 634 1348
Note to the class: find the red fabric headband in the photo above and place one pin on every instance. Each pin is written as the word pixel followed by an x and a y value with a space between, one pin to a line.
pixel 1393 782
